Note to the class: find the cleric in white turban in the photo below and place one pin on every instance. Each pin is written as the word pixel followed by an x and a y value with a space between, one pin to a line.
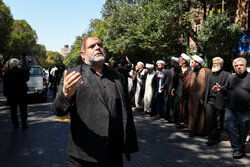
pixel 140 63
pixel 175 59
pixel 198 59
pixel 185 57
pixel 160 62
pixel 150 66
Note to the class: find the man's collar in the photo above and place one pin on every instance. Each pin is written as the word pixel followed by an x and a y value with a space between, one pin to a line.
pixel 242 75
pixel 217 73
pixel 104 69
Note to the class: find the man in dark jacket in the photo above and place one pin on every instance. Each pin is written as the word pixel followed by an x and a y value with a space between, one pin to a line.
pixel 124 69
pixel 15 89
pixel 215 102
pixel 237 113
pixel 158 105
pixel 168 86
pixel 102 126
pixel 182 90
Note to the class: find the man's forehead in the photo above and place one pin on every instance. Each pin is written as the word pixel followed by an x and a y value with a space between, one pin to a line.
pixel 93 40
pixel 239 62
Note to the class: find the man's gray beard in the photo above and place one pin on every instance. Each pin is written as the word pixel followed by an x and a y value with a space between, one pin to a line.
pixel 92 62
pixel 216 69
pixel 243 71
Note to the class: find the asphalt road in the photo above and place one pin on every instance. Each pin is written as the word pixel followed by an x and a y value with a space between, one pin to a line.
pixel 161 145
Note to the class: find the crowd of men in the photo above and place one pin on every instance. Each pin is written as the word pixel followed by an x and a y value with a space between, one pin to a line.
pixel 98 100
pixel 194 97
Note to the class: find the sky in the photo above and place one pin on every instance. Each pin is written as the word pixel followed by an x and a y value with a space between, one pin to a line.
pixel 56 22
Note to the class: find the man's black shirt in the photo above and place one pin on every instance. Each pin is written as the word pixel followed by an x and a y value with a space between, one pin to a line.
pixel 238 91
pixel 113 101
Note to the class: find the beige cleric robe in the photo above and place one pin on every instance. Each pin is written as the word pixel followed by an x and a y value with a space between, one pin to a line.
pixel 196 112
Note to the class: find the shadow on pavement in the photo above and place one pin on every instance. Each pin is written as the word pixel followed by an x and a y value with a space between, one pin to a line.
pixel 162 145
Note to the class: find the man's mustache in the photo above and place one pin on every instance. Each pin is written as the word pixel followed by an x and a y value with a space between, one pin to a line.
pixel 96 53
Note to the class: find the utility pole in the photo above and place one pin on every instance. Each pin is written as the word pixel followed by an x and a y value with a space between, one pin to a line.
pixel 223 4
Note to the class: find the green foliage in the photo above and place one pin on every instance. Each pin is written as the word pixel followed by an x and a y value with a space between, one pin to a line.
pixel 40 52
pixel 97 28
pixel 74 57
pixel 6 22
pixel 53 58
pixel 148 30
pixel 23 37
pixel 142 30
pixel 158 31
pixel 217 36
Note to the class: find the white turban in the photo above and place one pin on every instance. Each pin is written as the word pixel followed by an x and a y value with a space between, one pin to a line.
pixel 14 62
pixel 186 57
pixel 140 63
pixel 175 59
pixel 150 66
pixel 160 62
pixel 198 59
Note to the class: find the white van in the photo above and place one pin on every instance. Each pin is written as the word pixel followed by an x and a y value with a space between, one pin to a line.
pixel 37 84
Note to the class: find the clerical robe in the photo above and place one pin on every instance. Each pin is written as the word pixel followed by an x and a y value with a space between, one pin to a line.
pixel 196 112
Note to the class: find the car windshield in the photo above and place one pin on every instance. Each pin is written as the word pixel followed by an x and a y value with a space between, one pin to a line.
pixel 34 71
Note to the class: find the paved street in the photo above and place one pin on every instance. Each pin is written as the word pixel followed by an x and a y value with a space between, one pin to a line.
pixel 43 144
pixel 161 145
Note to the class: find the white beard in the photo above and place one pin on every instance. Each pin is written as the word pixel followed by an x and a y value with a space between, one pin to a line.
pixel 216 69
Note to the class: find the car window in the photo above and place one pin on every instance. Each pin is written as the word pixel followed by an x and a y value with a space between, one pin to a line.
pixel 34 71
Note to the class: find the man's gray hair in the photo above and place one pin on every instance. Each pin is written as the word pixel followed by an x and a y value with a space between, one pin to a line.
pixel 14 62
pixel 82 45
pixel 240 59
pixel 221 61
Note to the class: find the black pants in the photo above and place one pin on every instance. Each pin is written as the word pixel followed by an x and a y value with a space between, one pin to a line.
pixel 176 112
pixel 169 107
pixel 111 161
pixel 23 111
pixel 214 121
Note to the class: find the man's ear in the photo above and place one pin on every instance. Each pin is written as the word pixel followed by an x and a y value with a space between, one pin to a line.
pixel 82 55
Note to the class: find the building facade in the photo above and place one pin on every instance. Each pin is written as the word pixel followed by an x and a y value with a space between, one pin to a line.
pixel 64 51
pixel 238 11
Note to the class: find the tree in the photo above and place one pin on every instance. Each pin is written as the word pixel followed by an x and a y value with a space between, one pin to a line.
pixel 97 28
pixel 39 51
pixel 218 37
pixel 142 30
pixel 53 58
pixel 74 57
pixel 118 35
pixel 194 10
pixel 6 21
pixel 149 30
pixel 22 39
pixel 158 29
